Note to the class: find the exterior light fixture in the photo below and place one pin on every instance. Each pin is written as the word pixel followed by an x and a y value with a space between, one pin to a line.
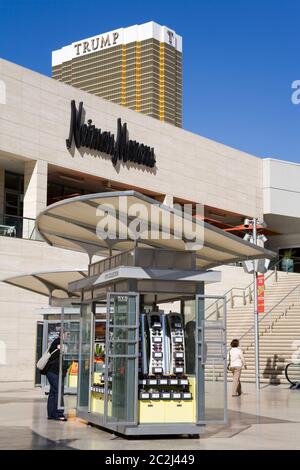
pixel 247 223
pixel 262 238
pixel 255 267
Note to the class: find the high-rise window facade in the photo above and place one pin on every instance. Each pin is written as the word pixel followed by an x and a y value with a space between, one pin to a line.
pixel 139 67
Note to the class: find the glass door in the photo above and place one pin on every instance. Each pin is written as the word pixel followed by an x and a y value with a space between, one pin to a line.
pixel 211 367
pixel 121 359
pixel 68 367
pixel 38 351
pixel 98 361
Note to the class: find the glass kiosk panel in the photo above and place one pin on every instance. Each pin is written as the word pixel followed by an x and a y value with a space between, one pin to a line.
pixel 121 359
pixel 211 359
pixel 68 367
pixel 51 330
pixel 98 363
pixel 85 348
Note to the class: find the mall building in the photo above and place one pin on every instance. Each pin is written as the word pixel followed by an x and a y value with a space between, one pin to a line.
pixel 40 165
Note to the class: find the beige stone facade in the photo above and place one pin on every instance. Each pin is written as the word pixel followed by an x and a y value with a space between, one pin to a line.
pixel 35 123
pixel 34 126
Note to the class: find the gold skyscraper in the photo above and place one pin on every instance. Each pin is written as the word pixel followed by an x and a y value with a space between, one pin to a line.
pixel 139 67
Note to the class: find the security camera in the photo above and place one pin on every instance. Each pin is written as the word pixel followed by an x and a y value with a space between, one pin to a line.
pixel 262 238
pixel 247 223
pixel 248 237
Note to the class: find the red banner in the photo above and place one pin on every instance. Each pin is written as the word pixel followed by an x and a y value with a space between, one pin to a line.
pixel 260 293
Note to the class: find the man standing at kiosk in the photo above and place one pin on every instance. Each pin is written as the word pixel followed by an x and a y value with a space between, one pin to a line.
pixel 52 374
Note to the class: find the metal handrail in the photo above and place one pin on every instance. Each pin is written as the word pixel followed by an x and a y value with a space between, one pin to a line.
pixel 18 227
pixel 226 300
pixel 270 311
pixel 16 216
pixel 244 289
pixel 293 383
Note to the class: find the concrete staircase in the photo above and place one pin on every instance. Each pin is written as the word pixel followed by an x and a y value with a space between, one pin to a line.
pixel 279 330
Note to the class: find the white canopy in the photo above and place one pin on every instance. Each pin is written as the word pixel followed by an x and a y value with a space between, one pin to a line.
pixel 73 223
pixel 53 284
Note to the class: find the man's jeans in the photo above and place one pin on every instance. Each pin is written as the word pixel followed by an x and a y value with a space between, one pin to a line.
pixel 53 412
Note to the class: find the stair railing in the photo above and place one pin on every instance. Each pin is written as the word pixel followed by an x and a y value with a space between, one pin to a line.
pixel 272 319
pixel 246 292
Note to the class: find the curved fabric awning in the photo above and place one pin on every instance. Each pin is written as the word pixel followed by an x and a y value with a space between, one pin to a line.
pixel 53 284
pixel 73 223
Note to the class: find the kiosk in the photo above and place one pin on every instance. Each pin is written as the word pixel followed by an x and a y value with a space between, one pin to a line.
pixel 152 359
pixel 148 369
pixel 152 378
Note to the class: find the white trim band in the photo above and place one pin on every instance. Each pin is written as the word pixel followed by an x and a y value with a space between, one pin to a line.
pixel 116 38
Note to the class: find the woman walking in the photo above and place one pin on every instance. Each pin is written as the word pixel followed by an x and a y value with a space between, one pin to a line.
pixel 236 362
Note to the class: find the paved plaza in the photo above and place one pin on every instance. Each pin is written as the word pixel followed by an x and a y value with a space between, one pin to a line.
pixel 272 422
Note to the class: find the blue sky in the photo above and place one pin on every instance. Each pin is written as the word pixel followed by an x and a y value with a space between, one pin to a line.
pixel 239 58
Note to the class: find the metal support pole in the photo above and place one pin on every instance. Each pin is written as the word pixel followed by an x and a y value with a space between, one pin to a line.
pixel 256 325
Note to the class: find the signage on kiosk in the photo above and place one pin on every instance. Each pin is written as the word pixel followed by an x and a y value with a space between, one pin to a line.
pixel 121 148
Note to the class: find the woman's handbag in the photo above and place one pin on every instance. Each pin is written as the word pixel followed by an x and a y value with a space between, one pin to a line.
pixel 43 361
